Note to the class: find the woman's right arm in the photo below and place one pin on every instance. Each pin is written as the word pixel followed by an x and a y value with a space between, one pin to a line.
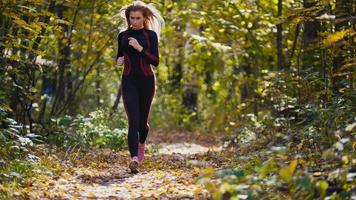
pixel 119 49
pixel 120 54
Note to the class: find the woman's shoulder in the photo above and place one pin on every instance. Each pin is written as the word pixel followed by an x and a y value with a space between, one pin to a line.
pixel 121 33
pixel 151 33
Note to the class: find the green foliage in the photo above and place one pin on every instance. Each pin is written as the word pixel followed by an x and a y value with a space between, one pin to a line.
pixel 294 126
pixel 16 144
pixel 58 78
pixel 17 157
pixel 279 178
pixel 97 130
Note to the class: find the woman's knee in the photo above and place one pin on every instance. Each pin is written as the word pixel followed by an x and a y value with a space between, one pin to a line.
pixel 144 126
pixel 134 124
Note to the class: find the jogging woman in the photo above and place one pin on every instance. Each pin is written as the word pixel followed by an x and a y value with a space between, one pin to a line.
pixel 138 51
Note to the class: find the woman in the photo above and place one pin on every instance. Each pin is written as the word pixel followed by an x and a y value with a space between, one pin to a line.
pixel 138 51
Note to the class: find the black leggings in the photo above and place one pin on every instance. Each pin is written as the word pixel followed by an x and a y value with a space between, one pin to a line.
pixel 137 93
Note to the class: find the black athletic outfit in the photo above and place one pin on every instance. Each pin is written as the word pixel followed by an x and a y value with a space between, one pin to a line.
pixel 138 82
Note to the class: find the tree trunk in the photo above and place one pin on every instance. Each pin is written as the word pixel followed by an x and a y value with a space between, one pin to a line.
pixel 117 100
pixel 64 61
pixel 279 39
pixel 310 36
pixel 97 87
pixel 343 10
pixel 190 93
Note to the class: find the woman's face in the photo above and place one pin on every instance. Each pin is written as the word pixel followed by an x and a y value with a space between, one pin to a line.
pixel 136 19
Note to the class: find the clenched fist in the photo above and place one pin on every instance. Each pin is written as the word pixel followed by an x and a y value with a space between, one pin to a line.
pixel 134 43
pixel 120 60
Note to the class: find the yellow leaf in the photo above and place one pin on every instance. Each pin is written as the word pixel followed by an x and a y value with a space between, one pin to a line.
pixel 217 195
pixel 301 161
pixel 293 166
pixel 345 159
pixel 91 195
pixel 284 174
pixel 322 186
pixel 37 1
pixel 225 187
pixel 195 172
pixel 94 164
pixel 300 146
pixel 283 156
pixel 20 22
pixel 208 172
pixel 198 191
pixel 77 196
pixel 332 38
pixel 210 187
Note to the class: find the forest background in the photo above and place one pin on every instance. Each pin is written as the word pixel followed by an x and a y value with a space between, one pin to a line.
pixel 281 71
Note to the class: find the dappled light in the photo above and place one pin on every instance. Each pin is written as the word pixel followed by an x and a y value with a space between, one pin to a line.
pixel 167 99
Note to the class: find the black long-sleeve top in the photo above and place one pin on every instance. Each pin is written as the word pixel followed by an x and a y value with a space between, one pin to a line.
pixel 138 62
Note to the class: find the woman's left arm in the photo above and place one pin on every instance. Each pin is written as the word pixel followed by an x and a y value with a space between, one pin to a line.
pixel 151 53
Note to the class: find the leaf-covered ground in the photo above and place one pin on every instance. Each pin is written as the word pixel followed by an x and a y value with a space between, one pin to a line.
pixel 168 172
pixel 183 165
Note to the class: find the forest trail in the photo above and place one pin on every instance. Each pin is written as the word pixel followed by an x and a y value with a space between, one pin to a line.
pixel 170 171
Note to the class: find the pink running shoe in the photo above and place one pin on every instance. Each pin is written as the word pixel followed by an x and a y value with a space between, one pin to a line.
pixel 141 152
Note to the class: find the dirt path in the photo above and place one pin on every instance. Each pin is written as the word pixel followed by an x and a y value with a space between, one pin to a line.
pixel 169 171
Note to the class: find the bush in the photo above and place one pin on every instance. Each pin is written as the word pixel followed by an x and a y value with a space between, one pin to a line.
pixel 98 130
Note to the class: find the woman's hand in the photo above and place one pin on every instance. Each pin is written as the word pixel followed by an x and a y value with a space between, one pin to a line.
pixel 133 42
pixel 120 60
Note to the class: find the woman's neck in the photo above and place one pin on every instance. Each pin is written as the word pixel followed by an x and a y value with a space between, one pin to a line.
pixel 139 28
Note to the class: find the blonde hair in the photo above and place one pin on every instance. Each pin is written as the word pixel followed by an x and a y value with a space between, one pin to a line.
pixel 152 17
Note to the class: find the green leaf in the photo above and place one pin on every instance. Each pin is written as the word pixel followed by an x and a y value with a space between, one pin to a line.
pixel 267 167
pixel 228 172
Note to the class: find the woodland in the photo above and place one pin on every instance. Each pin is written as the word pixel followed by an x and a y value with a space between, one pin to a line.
pixel 255 99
